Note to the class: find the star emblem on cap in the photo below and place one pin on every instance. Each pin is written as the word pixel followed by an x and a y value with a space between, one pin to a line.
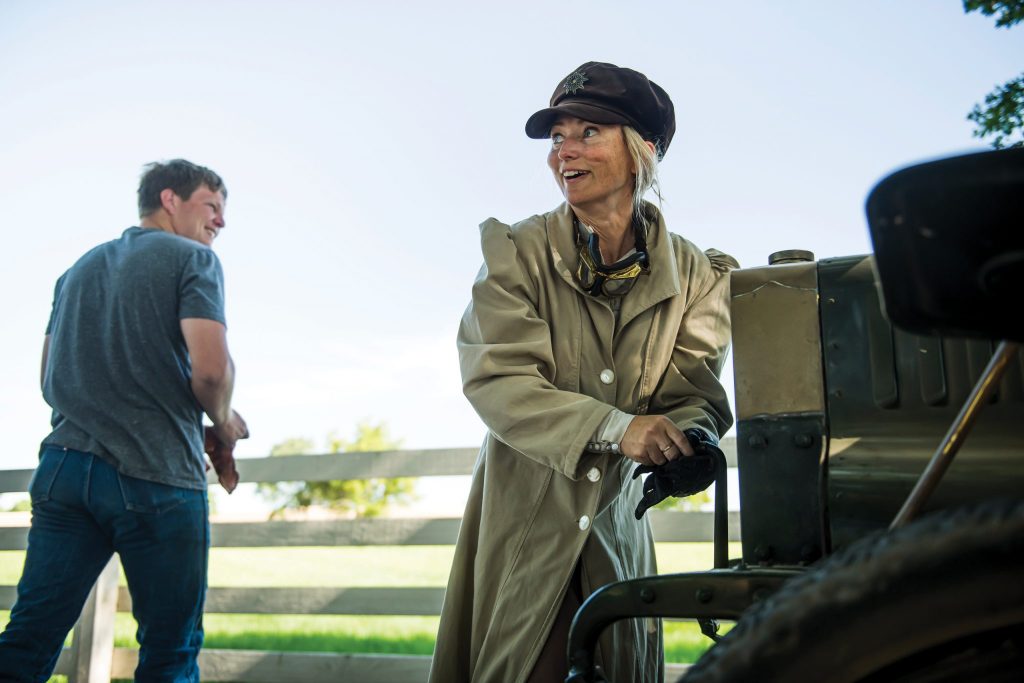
pixel 574 82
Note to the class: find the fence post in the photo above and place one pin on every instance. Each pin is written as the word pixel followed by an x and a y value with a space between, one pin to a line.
pixel 93 641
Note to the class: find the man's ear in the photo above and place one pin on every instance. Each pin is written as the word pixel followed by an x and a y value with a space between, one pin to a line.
pixel 169 200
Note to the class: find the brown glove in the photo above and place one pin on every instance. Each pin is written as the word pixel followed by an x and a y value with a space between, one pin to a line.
pixel 223 459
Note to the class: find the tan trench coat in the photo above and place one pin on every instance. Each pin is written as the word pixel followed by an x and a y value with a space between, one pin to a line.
pixel 532 347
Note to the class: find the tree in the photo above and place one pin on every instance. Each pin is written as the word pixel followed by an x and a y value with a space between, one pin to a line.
pixel 360 497
pixel 689 504
pixel 1003 112
pixel 20 505
pixel 1010 11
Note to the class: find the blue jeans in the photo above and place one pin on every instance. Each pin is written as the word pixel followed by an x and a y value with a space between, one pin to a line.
pixel 83 511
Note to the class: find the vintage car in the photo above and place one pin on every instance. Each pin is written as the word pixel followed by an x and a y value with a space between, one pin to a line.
pixel 869 552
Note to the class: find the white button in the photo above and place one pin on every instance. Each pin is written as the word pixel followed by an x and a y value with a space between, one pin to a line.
pixel 594 474
pixel 584 523
pixel 607 376
pixel 615 447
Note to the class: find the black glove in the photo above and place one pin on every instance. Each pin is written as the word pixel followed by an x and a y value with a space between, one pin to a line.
pixel 684 476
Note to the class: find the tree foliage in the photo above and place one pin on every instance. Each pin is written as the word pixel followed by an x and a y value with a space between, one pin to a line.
pixel 1001 115
pixel 359 497
pixel 20 505
pixel 691 503
pixel 1009 11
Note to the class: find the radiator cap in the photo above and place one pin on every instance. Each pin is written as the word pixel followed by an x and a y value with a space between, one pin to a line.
pixel 790 256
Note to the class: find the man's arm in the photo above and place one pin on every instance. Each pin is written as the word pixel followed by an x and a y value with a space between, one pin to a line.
pixel 213 375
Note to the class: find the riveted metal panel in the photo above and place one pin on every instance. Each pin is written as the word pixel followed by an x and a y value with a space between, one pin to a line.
pixel 891 395
pixel 780 406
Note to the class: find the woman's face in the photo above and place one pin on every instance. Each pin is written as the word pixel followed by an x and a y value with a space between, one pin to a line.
pixel 591 163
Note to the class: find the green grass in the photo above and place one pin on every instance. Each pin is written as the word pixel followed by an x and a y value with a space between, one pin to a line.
pixel 363 566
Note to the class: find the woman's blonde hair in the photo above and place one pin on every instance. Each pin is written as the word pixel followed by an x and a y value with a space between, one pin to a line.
pixel 646 162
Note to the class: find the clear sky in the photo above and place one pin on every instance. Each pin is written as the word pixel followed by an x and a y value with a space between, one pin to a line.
pixel 363 142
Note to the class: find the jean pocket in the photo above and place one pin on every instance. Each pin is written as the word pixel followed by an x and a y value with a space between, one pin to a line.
pixel 46 472
pixel 149 496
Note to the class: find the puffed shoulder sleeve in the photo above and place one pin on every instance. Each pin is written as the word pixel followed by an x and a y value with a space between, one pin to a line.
pixel 507 362
pixel 690 393
pixel 721 262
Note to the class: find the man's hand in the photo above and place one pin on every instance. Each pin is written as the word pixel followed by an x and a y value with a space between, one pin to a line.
pixel 221 451
pixel 231 431
pixel 653 440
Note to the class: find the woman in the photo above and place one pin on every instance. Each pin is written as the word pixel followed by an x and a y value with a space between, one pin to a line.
pixel 594 338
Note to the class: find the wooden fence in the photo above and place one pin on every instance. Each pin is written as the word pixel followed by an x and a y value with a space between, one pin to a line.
pixel 92 658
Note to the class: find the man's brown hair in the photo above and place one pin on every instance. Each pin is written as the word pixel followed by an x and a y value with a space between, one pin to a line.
pixel 181 176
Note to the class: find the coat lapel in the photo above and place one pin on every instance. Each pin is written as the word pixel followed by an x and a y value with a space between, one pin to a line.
pixel 562 244
pixel 662 280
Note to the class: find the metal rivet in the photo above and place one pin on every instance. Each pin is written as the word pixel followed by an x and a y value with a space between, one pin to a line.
pixel 803 440
pixel 647 595
pixel 757 441
pixel 705 595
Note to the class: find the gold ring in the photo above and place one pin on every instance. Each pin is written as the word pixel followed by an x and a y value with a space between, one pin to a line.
pixel 667 448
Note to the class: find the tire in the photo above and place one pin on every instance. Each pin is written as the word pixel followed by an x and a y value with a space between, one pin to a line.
pixel 941 599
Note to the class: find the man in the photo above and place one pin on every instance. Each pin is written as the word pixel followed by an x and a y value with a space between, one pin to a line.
pixel 135 352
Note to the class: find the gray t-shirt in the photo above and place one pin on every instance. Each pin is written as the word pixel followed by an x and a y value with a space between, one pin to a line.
pixel 118 371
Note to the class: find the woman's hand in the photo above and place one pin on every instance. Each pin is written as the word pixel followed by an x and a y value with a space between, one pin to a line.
pixel 653 440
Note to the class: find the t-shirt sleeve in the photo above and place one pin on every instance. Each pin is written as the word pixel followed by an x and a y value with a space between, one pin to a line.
pixel 53 306
pixel 202 287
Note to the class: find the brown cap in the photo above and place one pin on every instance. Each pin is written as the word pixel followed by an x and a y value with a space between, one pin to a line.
pixel 605 93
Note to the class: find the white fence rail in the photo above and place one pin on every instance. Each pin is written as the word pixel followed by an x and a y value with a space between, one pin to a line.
pixel 92 658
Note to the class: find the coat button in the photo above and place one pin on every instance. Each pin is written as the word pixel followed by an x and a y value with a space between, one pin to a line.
pixel 594 474
pixel 607 376
pixel 584 523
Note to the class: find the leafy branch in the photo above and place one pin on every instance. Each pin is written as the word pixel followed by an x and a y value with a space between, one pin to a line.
pixel 1002 113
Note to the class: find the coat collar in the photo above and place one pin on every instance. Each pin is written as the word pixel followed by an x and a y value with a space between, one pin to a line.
pixel 661 282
